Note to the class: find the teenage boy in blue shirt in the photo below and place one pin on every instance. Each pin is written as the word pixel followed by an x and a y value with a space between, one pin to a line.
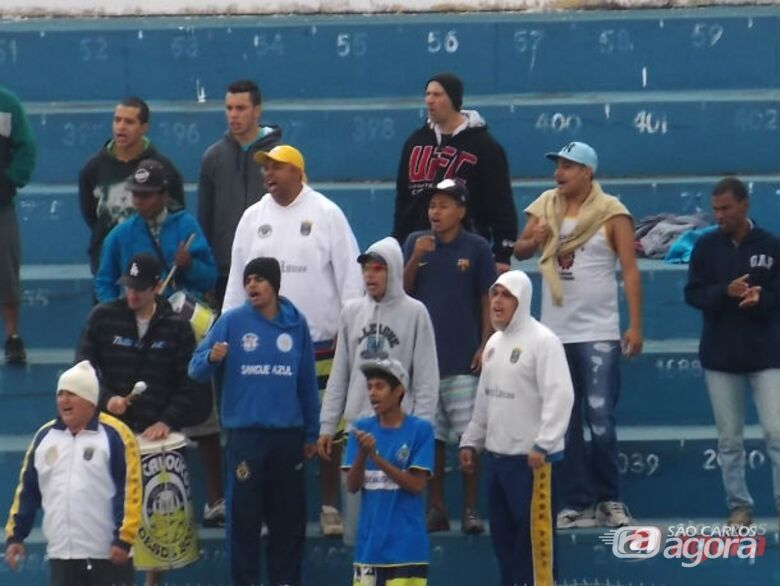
pixel 389 458
pixel 450 270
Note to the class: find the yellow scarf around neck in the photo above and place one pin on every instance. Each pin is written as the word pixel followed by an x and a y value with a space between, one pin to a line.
pixel 550 207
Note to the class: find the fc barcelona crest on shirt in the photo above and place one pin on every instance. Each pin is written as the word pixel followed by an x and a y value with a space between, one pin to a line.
pixel 242 471
pixel 464 264
pixel 305 228
pixel 264 231
pixel 515 356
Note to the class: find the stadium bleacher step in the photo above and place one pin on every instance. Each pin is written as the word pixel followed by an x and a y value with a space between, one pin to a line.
pixel 583 560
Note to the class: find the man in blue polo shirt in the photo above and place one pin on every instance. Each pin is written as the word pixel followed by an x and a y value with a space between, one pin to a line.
pixel 451 270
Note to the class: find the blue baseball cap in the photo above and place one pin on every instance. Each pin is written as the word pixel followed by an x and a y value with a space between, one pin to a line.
pixel 579 152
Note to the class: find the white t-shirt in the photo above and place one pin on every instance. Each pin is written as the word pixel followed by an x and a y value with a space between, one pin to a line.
pixel 590 307
pixel 316 250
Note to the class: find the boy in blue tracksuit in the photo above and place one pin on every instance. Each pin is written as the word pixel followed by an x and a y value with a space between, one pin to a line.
pixel 270 409
pixel 161 227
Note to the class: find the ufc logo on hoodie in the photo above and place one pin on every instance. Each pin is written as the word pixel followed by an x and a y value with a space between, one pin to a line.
pixel 425 162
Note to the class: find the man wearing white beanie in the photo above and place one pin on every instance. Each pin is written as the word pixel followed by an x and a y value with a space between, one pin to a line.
pixel 84 471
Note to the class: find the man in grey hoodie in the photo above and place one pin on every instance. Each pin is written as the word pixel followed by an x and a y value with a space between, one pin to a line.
pixel 385 323
pixel 229 180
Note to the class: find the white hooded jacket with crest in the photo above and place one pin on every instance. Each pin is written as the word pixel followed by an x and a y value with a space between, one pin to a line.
pixel 525 394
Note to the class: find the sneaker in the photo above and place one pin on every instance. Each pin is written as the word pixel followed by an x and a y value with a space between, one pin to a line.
pixel 741 516
pixel 330 522
pixel 572 518
pixel 14 350
pixel 613 514
pixel 436 520
pixel 214 516
pixel 472 523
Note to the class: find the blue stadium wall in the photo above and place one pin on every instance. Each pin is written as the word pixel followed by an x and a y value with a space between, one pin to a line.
pixel 671 100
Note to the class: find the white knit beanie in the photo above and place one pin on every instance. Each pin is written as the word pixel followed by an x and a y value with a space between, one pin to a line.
pixel 80 380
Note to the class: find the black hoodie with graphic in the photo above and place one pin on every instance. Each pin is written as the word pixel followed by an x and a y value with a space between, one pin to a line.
pixel 104 200
pixel 472 155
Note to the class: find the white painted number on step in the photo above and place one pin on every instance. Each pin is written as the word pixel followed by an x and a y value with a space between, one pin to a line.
pixel 180 133
pixel 184 47
pixel 9 53
pixel 265 44
pixel 355 44
pixel 650 123
pixel 558 122
pixel 638 464
pixel 446 41
pixel 706 35
pixel 528 40
pixel 755 459
pixel 372 128
pixel 615 41
pixel 93 49
pixel 756 119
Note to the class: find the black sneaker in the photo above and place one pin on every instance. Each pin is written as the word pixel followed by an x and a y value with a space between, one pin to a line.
pixel 14 350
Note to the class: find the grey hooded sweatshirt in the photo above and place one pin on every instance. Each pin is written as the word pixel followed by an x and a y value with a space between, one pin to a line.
pixel 228 183
pixel 397 327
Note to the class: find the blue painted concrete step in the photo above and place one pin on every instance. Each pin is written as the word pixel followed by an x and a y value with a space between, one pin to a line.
pixel 662 386
pixel 57 298
pixel 53 230
pixel 583 560
pixel 664 471
pixel 638 135
pixel 393 55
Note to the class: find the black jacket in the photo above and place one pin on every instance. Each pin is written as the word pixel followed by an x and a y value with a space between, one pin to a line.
pixel 472 155
pixel 736 340
pixel 160 359
pixel 103 199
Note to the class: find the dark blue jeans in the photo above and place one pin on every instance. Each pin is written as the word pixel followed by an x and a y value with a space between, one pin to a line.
pixel 590 472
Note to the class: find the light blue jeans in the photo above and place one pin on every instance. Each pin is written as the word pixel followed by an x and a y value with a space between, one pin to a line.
pixel 727 396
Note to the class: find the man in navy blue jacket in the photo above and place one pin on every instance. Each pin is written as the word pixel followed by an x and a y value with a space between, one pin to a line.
pixel 734 278
pixel 270 410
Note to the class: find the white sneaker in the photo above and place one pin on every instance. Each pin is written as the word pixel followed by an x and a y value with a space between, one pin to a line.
pixel 572 518
pixel 613 514
pixel 214 516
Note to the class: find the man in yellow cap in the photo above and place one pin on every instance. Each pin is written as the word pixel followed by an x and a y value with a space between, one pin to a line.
pixel 310 237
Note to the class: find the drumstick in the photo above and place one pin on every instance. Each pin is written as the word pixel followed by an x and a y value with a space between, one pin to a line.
pixel 138 389
pixel 172 272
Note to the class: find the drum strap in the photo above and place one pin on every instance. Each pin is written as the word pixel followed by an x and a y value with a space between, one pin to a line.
pixel 157 248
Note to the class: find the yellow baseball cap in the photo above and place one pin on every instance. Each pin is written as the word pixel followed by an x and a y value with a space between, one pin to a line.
pixel 282 153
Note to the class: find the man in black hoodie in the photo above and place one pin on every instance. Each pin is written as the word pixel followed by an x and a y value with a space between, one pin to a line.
pixel 734 279
pixel 103 196
pixel 229 180
pixel 456 143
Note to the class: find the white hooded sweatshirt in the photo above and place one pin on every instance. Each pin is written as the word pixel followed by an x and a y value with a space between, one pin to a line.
pixel 525 393
pixel 397 327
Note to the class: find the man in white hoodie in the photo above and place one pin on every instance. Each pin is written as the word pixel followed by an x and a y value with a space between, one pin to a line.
pixel 311 238
pixel 522 410
pixel 385 323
